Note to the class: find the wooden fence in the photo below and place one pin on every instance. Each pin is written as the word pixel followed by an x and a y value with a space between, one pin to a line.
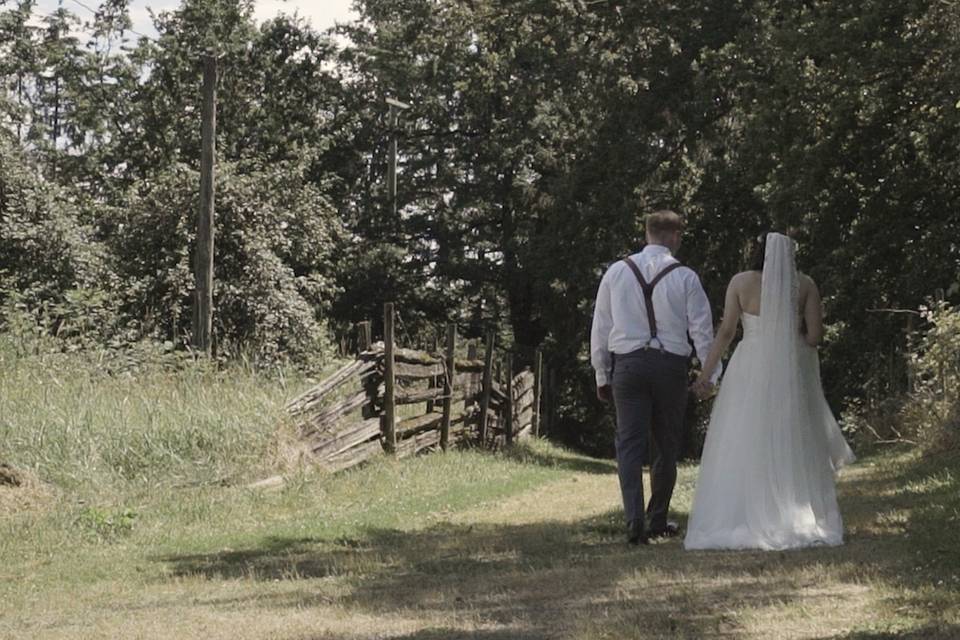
pixel 396 401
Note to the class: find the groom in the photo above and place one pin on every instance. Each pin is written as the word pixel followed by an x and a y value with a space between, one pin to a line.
pixel 647 305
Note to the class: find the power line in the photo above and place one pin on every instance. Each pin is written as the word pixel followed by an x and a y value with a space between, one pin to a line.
pixel 94 12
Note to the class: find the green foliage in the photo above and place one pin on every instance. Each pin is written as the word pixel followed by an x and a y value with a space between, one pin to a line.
pixel 933 412
pixel 539 134
pixel 106 525
pixel 929 412
pixel 51 265
pixel 274 248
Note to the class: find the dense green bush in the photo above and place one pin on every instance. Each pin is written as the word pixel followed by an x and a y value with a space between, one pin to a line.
pixel 50 262
pixel 929 412
pixel 933 412
pixel 273 260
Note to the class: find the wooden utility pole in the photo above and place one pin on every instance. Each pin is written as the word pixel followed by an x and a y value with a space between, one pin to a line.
pixel 395 107
pixel 388 419
pixel 203 256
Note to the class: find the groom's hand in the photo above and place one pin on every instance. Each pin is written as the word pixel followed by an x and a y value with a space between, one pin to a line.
pixel 702 388
pixel 605 394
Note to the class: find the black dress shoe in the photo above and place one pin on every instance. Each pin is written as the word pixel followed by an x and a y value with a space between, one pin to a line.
pixel 636 534
pixel 672 530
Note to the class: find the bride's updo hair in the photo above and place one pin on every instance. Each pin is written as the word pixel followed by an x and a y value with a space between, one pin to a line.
pixel 758 250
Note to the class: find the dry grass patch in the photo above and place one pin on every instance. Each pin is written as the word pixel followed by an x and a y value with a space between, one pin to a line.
pixel 22 492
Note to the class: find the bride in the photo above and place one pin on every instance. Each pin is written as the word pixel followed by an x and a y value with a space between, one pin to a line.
pixel 772 448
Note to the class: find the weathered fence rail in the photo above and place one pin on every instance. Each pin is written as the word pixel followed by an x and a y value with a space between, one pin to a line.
pixel 401 401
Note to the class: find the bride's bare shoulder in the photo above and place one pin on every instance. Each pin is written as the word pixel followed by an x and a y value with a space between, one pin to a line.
pixel 745 278
pixel 806 282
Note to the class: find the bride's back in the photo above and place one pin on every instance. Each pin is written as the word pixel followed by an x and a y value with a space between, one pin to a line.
pixel 748 285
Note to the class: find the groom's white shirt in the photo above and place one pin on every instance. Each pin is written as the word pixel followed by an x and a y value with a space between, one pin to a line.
pixel 620 319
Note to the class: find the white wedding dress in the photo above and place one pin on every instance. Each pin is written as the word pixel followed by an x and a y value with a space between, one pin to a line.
pixel 773 446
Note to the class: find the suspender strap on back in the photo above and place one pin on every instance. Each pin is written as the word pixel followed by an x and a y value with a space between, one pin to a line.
pixel 648 295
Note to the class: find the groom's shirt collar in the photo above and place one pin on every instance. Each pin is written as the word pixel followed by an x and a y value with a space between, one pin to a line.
pixel 655 249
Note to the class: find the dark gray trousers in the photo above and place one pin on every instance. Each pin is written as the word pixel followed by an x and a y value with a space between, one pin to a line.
pixel 650 394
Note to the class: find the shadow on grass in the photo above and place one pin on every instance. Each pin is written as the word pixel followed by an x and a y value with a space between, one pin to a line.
pixel 548 579
pixel 530 453
pixel 448 633
pixel 525 582
pixel 930 632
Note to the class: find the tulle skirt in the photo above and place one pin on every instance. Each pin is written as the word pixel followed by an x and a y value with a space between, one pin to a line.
pixel 767 473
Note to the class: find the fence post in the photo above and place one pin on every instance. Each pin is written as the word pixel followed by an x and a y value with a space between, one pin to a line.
pixel 451 372
pixel 387 420
pixel 364 336
pixel 551 399
pixel 486 384
pixel 471 390
pixel 537 375
pixel 508 402
pixel 435 381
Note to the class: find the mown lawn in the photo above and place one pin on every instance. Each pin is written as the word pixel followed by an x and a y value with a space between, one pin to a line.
pixel 525 545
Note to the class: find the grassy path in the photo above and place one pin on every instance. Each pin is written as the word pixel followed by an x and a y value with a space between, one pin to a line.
pixel 471 546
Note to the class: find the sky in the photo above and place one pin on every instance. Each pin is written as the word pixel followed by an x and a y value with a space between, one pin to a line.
pixel 322 14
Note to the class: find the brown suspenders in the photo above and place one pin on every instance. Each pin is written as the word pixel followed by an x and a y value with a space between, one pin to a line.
pixel 648 296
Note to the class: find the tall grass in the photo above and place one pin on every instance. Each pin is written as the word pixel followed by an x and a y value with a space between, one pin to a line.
pixel 100 417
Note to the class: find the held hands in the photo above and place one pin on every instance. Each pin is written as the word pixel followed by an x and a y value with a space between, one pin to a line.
pixel 702 388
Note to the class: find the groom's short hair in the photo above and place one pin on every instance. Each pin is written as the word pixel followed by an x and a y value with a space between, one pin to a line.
pixel 663 222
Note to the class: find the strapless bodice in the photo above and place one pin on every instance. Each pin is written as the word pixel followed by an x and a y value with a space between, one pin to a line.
pixel 751 325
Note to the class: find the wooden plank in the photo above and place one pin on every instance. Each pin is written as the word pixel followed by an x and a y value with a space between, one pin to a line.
pixel 465 380
pixel 520 410
pixel 523 419
pixel 522 383
pixel 486 385
pixel 358 369
pixel 550 398
pixel 412 396
pixel 414 444
pixel 469 365
pixel 537 390
pixel 471 386
pixel 448 378
pixel 409 371
pixel 525 400
pixel 508 404
pixel 364 336
pixel 411 356
pixel 331 444
pixel 389 399
pixel 463 418
pixel 460 434
pixel 354 456
pixel 464 395
pixel 374 352
pixel 331 414
pixel 433 380
pixel 418 423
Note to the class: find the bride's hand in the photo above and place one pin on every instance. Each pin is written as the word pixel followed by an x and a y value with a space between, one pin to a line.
pixel 702 388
